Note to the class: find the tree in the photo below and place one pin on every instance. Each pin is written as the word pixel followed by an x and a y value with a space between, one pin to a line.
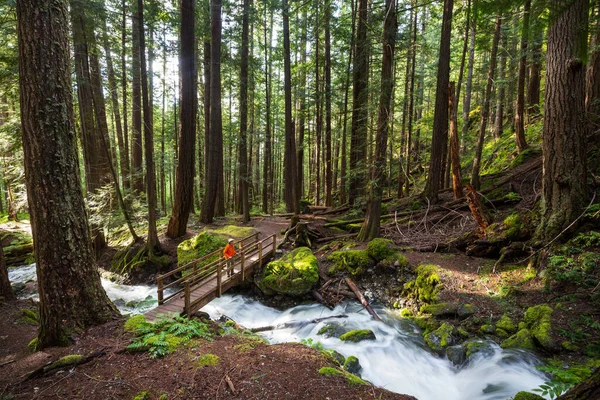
pixel 565 127
pixel 370 228
pixel 485 112
pixel 244 176
pixel 440 118
pixel 520 109
pixel 5 288
pixel 592 97
pixel 214 156
pixel 71 295
pixel 328 172
pixel 184 184
pixel 136 103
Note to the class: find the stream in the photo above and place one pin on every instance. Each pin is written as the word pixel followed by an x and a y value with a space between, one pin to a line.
pixel 397 360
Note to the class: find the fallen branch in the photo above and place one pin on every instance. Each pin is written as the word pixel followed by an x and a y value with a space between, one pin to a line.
pixel 362 299
pixel 230 384
pixel 50 366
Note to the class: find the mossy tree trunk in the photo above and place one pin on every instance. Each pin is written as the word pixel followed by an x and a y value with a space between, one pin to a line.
pixel 5 288
pixel 565 125
pixel 71 295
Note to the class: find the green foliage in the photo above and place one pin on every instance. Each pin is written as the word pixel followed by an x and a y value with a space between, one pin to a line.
pixel 208 360
pixel 578 269
pixel 426 286
pixel 564 376
pixel 356 262
pixel 311 343
pixel 29 316
pixel 587 239
pixel 132 324
pixel 141 396
pixel 294 274
pixel 163 336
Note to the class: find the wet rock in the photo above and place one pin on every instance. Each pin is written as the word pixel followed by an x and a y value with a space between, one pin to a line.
pixel 441 338
pixel 506 323
pixel 332 329
pixel 522 340
pixel 358 335
pixel 456 354
pixel 440 309
pixel 467 310
pixel 539 321
pixel 337 357
pixel 294 274
pixel 527 396
pixel 352 365
pixel 475 346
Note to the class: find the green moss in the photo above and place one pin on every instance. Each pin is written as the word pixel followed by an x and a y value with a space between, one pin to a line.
pixel 506 323
pixel 233 231
pixel 514 225
pixel 527 396
pixel 539 321
pixel 406 313
pixel 352 379
pixel 199 246
pixel 522 340
pixel 33 345
pixel 141 396
pixel 474 346
pixel 501 333
pixel 352 365
pixel 356 262
pixel 134 322
pixel 380 249
pixel 294 274
pixel 208 360
pixel 440 309
pixel 426 286
pixel 569 346
pixel 248 344
pixel 358 335
pixel 29 316
pixel 426 324
pixel 487 329
pixel 463 332
pixel 441 337
pixel 65 361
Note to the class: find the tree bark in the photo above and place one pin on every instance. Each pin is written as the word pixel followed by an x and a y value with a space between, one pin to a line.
pixel 71 295
pixel 184 182
pixel 440 118
pixel 469 84
pixel 565 125
pixel 535 67
pixel 360 111
pixel 592 98
pixel 302 108
pixel 268 158
pixel 520 108
pixel 214 157
pixel 500 92
pixel 371 227
pixel 136 105
pixel 126 177
pixel 485 112
pixel 411 104
pixel 454 145
pixel 5 287
pixel 328 161
pixel 244 176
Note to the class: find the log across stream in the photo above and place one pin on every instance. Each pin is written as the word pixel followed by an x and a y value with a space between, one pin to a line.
pixel 398 359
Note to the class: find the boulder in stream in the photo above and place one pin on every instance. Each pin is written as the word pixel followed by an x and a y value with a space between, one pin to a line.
pixel 358 335
pixel 441 338
pixel 352 365
pixel 294 274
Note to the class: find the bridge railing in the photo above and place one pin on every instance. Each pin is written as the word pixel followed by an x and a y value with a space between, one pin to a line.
pixel 202 271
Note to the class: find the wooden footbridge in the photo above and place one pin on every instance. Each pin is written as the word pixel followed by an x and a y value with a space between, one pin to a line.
pixel 201 284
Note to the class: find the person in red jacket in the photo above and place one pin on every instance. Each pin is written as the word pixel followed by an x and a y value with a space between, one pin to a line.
pixel 228 253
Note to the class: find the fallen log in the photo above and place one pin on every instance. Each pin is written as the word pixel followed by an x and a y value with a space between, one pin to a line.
pixel 295 324
pixel 362 299
pixel 353 221
pixel 334 211
pixel 330 238
pixel 477 208
pixel 71 363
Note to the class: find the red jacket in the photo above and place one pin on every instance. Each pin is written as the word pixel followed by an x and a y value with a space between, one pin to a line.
pixel 229 251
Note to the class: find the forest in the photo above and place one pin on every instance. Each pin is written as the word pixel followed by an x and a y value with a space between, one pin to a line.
pixel 409 181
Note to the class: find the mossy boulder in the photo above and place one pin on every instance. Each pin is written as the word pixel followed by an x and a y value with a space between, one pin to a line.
pixel 352 365
pixel 521 340
pixel 332 329
pixel 466 310
pixel 336 356
pixel 294 274
pixel 358 335
pixel 527 396
pixel 440 309
pixel 476 346
pixel 539 321
pixel 356 262
pixel 18 247
pixel 426 286
pixel 488 329
pixel 506 324
pixel 380 249
pixel 441 338
pixel 511 229
pixel 456 354
pixel 200 245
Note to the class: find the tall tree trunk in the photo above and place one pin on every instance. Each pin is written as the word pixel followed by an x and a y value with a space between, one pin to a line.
pixel 500 94
pixel 440 119
pixel 71 295
pixel 126 177
pixel 469 84
pixel 592 98
pixel 565 125
pixel 454 144
pixel 5 288
pixel 520 108
pixel 206 99
pixel 411 104
pixel 371 227
pixel 485 112
pixel 244 177
pixel 152 243
pixel 214 157
pixel 291 197
pixel 535 67
pixel 184 183
pixel 328 168
pixel 163 189
pixel 302 108
pixel 268 159
pixel 360 111
pixel 136 105
pixel 318 109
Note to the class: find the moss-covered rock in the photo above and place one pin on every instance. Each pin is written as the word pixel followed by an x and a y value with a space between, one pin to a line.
pixel 521 340
pixel 358 335
pixel 501 333
pixel 527 396
pixel 506 324
pixel 456 354
pixel 352 379
pixel 426 286
pixel 352 365
pixel 332 329
pixel 380 249
pixel 200 245
pixel 294 274
pixel 336 356
pixel 440 309
pixel 539 321
pixel 466 310
pixel 475 346
pixel 488 329
pixel 441 338
pixel 356 262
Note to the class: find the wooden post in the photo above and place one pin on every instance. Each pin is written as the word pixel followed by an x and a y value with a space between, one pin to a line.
pixel 243 256
pixel 187 299
pixel 260 254
pixel 219 268
pixel 274 243
pixel 160 291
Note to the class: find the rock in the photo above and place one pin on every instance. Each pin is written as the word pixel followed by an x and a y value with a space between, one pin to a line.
pixel 337 357
pixel 352 365
pixel 539 319
pixel 488 329
pixel 294 274
pixel 522 340
pixel 456 354
pixel 506 323
pixel 440 309
pixel 356 262
pixel 527 396
pixel 332 329
pixel 441 338
pixel 467 310
pixel 380 249
pixel 476 346
pixel 358 335
pixel 426 286
pixel 200 245
pixel 501 333
pixel 18 288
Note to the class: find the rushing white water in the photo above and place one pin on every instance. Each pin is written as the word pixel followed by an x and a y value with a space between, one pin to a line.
pixel 129 299
pixel 398 359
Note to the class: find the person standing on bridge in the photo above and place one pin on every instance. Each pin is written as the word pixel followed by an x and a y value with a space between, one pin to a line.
pixel 229 252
